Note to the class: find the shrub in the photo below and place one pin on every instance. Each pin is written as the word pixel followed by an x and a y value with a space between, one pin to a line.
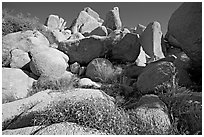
pixel 92 113
pixel 20 22
pixel 61 84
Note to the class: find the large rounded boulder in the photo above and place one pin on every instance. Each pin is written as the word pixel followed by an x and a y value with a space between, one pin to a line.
pixel 156 75
pixel 152 115
pixel 15 84
pixel 127 49
pixel 49 62
pixel 82 51
pixel 100 69
pixel 185 28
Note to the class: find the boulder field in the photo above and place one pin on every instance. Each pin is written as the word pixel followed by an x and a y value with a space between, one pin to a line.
pixel 97 77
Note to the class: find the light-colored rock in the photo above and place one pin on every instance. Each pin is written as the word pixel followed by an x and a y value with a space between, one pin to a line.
pixel 93 14
pixel 76 36
pixel 49 62
pixel 155 75
pixel 21 131
pixel 20 113
pixel 82 51
pixel 60 36
pixel 86 82
pixel 184 27
pixel 112 20
pixel 100 69
pixel 84 23
pixel 127 49
pixel 23 41
pixel 54 22
pixel 142 58
pixel 19 58
pixel 140 29
pixel 153 114
pixel 75 67
pixel 15 84
pixel 150 41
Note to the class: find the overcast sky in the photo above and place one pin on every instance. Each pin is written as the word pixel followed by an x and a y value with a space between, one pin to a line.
pixel 131 13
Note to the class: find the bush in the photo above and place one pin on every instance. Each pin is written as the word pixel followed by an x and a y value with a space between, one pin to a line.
pixel 61 84
pixel 20 22
pixel 92 113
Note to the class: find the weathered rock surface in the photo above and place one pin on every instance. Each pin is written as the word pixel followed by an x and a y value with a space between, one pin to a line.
pixel 86 82
pixel 75 67
pixel 127 49
pixel 154 75
pixel 49 62
pixel 153 114
pixel 93 14
pixel 82 51
pixel 64 128
pixel 20 113
pixel 100 69
pixel 133 71
pixel 76 36
pixel 54 22
pixel 19 58
pixel 150 41
pixel 61 36
pixel 84 23
pixel 15 84
pixel 112 20
pixel 142 58
pixel 23 41
pixel 185 27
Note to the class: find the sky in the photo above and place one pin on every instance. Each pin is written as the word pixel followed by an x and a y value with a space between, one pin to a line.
pixel 131 13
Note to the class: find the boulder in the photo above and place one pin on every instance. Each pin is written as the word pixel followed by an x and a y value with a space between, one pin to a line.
pixel 100 69
pixel 76 36
pixel 156 75
pixel 140 29
pixel 84 23
pixel 127 49
pixel 86 82
pixel 49 62
pixel 142 58
pixel 183 64
pixel 100 31
pixel 21 113
pixel 15 84
pixel 63 128
pixel 54 22
pixel 112 20
pixel 63 82
pixel 184 27
pixel 19 58
pixel 93 14
pixel 153 115
pixel 75 67
pixel 23 41
pixel 82 51
pixel 133 71
pixel 60 36
pixel 150 41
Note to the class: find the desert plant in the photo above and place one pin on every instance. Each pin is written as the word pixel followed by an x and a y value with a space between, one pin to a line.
pixel 92 113
pixel 61 84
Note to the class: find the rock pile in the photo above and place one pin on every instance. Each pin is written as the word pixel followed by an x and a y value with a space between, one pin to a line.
pixel 100 59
